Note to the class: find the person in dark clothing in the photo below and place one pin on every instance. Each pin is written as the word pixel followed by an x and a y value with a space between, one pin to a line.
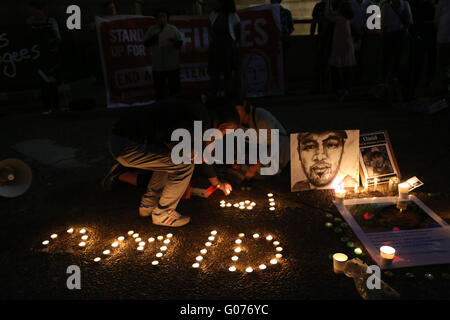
pixel 424 51
pixel 322 45
pixel 143 140
pixel 224 42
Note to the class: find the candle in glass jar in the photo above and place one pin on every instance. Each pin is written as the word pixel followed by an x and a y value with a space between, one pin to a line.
pixel 339 261
pixel 403 190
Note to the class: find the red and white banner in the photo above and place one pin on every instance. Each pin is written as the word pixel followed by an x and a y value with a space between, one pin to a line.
pixel 127 63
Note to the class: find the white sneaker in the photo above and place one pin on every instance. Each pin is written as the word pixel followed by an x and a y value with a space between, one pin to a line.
pixel 170 219
pixel 145 211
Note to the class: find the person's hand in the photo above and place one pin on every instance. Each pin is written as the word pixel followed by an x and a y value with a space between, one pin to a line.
pixel 225 187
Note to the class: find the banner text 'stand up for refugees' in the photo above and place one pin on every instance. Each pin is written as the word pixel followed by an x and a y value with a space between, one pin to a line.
pixel 127 63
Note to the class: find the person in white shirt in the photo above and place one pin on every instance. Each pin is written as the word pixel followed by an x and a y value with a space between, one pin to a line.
pixel 225 37
pixel 396 18
pixel 442 22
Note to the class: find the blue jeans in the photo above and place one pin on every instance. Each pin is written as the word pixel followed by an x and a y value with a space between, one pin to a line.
pixel 169 181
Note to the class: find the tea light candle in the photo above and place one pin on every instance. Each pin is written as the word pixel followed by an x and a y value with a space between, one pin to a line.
pixel 358 251
pixel 138 239
pixel 339 261
pixel 211 238
pixel 403 190
pixel 249 269
pixel 275 243
pixel 208 244
pixel 249 208
pixel 214 232
pixel 278 255
pixel 223 205
pixel 256 236
pixel 83 230
pixel 237 250
pixel 97 259
pixel 163 248
pixel 247 201
pixel 273 261
pixel 155 262
pixel 279 249
pixel 159 254
pixel 195 265
pixel 270 195
pixel 241 203
pixel 241 235
pixel 241 207
pixel 54 236
pixel 236 205
pixel 262 266
pixel 229 204
pixel 222 201
pixel 238 241
pixel 160 238
pixel 272 208
pixel 253 204
pixel 130 232
pixel 106 252
pixel 82 244
pixel 45 242
pixel 135 235
pixel 121 238
pixel 169 235
pixel 339 195
pixel 387 253
pixel 203 251
pixel 142 243
pixel 114 244
pixel 269 238
pixel 234 258
pixel 271 199
pixel 272 204
pixel 85 237
pixel 232 268
pixel 199 258
pixel 70 230
pixel 151 239
pixel 167 241
pixel 140 248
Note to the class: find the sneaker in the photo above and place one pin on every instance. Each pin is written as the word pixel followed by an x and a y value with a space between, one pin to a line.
pixel 145 211
pixel 112 176
pixel 170 219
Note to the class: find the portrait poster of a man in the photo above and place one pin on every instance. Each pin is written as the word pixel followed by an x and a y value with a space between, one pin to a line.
pixel 324 160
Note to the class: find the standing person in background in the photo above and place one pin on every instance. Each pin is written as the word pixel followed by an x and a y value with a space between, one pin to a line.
pixel 442 22
pixel 287 27
pixel 396 18
pixel 224 42
pixel 322 45
pixel 165 41
pixel 357 24
pixel 423 34
pixel 342 57
pixel 46 31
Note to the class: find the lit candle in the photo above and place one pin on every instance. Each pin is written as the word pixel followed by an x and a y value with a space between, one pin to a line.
pixel 256 236
pixel 272 208
pixel 247 201
pixel 278 255
pixel 167 241
pixel 222 201
pixel 163 248
pixel 269 238
pixel 236 205
pixel 208 244
pixel 358 251
pixel 249 208
pixel 249 269
pixel 155 262
pixel 366 186
pixel 279 249
pixel 403 190
pixel 339 261
pixel 234 258
pixel 114 244
pixel 275 243
pixel 54 236
pixel 223 205
pixel 130 232
pixel 270 195
pixel 211 238
pixel 140 248
pixel 83 230
pixel 82 244
pixel 356 188
pixel 214 232
pixel 159 238
pixel 151 239
pixel 241 235
pixel 241 207
pixel 375 183
pixel 232 268
pixel 138 239
pixel 262 266
pixel 106 252
pixel 196 265
pixel 97 259
pixel 142 243
pixel 85 237
pixel 45 242
pixel 237 250
pixel 241 203
pixel 199 258
pixel 229 204
pixel 135 235
pixel 272 204
pixel 339 195
pixel 253 204
pixel 121 238
pixel 169 235
pixel 273 261
pixel 203 251
pixel 387 254
pixel 228 191
pixel 70 230
pixel 159 254
pixel 238 241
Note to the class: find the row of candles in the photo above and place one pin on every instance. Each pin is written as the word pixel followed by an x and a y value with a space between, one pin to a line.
pixel 247 204
pixel 403 189
pixel 387 255
pixel 203 251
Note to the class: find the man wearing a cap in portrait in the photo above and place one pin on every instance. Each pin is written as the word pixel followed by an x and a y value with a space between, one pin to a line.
pixel 378 162
pixel 320 155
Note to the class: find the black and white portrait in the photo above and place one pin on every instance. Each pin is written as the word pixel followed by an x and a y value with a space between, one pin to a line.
pixel 377 161
pixel 324 160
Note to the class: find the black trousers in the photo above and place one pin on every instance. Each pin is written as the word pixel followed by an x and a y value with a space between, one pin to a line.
pixel 166 83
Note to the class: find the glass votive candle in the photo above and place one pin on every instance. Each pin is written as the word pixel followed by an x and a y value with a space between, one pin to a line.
pixel 339 195
pixel 403 190
pixel 387 254
pixel 339 262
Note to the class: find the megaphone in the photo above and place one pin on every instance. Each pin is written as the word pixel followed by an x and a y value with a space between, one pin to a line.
pixel 15 178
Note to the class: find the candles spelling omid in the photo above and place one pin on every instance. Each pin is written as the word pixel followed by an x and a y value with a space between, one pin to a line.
pixel 199 258
pixel 238 241
pixel 208 244
pixel 272 208
pixel 211 238
pixel 275 243
pixel 163 248
pixel 278 255
pixel 339 261
pixel 151 239
pixel 166 241
pixel 256 236
pixel 270 195
pixel 241 235
pixel 269 238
